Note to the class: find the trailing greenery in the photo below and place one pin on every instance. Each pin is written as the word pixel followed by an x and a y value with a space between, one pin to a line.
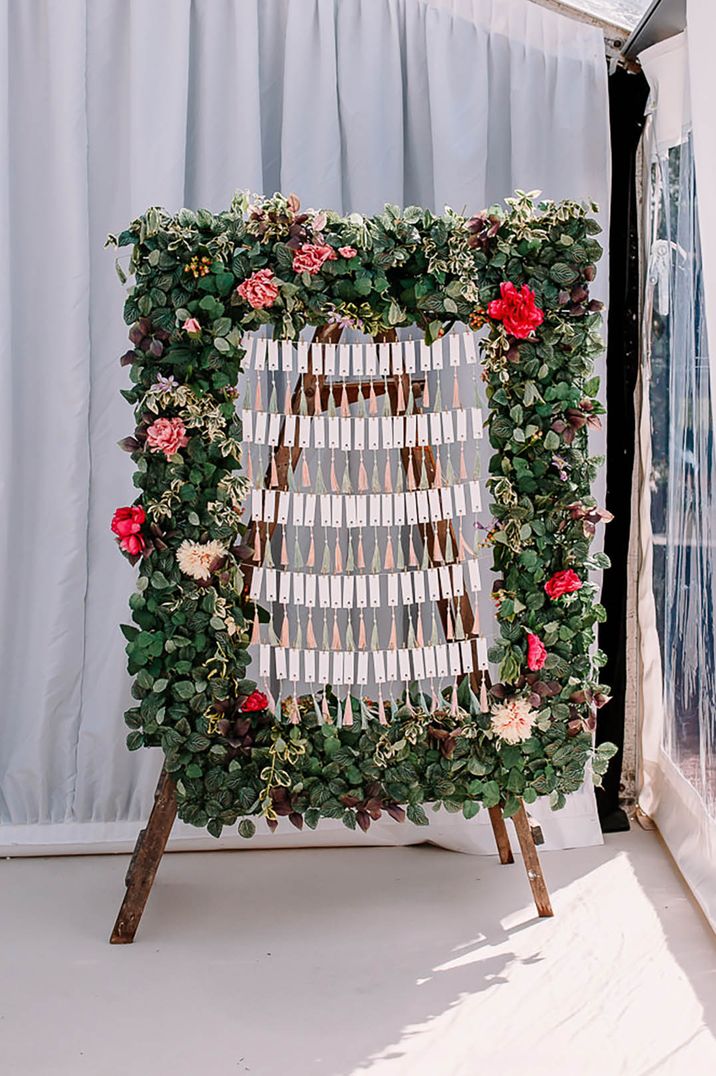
pixel 188 644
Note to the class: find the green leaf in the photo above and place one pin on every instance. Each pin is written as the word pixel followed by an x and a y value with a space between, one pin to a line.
pixel 246 828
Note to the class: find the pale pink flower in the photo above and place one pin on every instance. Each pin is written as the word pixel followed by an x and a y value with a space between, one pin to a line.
pixel 167 435
pixel 512 720
pixel 191 326
pixel 197 559
pixel 311 257
pixel 260 289
pixel 347 252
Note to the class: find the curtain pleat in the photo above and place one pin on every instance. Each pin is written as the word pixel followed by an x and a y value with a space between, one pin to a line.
pixel 115 105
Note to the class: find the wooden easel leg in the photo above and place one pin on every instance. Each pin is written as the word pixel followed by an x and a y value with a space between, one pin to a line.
pixel 143 865
pixel 532 864
pixel 502 837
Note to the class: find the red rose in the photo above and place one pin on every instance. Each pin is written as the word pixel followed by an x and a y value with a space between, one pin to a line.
pixel 255 701
pixel 127 525
pixel 563 583
pixel 259 289
pixel 536 652
pixel 310 258
pixel 517 310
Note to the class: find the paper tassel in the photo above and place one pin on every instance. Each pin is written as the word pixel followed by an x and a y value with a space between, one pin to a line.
pixel 438 480
pixel 338 558
pixel 287 399
pixel 326 560
pixel 331 403
pixel 449 631
pixel 362 476
pixel 449 471
pixel 459 628
pixel 249 468
pixel 311 558
pixel 381 708
pixel 375 564
pixel 350 559
pixel 257 546
pixel 438 401
pixel 335 488
pixel 374 636
pixel 268 555
pixel 465 549
pixel 310 633
pixel 449 551
pixel 463 468
pixel 374 477
pixel 273 473
pixel 350 638
pixel 284 628
pixel 284 550
pixel 305 474
pixel 434 630
pixel 346 486
pixel 411 635
pixel 412 555
pixel 324 634
pixel 389 562
pixel 401 397
pixel 294 716
pixel 348 712
pixel 258 401
pixel 424 484
pixel 298 641
pixel 386 409
pixel 455 390
pixel 426 393
pixel 387 476
pixel 399 486
pixel 419 638
pixel 372 401
pixel 290 477
pixel 345 406
pixel 393 641
pixel 425 562
pixel 361 401
pixel 437 551
pixel 453 702
pixel 272 400
pixel 400 558
pixel 337 643
pixel 302 402
pixel 411 474
pixel 256 631
pixel 484 704
pixel 360 555
pixel 320 482
pixel 410 403
pixel 361 632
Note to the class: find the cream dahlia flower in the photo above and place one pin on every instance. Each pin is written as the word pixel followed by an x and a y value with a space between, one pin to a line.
pixel 195 559
pixel 513 719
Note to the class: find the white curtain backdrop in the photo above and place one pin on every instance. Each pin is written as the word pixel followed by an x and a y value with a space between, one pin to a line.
pixel 109 106
pixel 677 578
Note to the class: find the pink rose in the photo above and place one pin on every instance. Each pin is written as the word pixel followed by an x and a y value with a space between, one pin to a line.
pixel 167 435
pixel 191 326
pixel 260 289
pixel 347 252
pixel 536 652
pixel 517 310
pixel 127 526
pixel 565 582
pixel 310 258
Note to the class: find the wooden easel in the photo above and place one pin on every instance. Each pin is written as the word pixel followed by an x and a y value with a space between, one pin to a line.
pixel 152 841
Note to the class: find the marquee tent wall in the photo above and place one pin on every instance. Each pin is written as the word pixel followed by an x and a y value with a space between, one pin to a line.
pixel 109 107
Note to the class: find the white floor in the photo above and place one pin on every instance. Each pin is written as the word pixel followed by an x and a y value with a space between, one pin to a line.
pixel 388 962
